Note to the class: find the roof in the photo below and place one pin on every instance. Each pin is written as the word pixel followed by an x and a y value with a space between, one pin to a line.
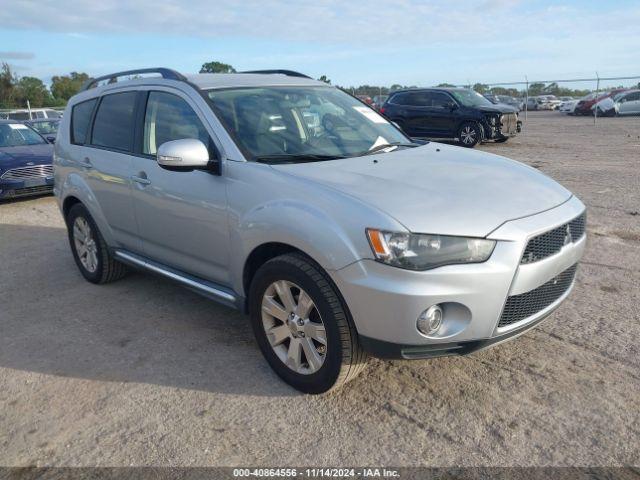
pixel 207 81
pixel 431 89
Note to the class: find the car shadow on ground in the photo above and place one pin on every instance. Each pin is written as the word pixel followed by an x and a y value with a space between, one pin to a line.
pixel 140 329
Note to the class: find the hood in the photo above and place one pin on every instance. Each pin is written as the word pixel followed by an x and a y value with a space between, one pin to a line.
pixel 453 191
pixel 498 108
pixel 14 157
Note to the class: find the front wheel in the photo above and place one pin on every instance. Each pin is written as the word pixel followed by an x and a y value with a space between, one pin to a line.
pixel 302 326
pixel 469 134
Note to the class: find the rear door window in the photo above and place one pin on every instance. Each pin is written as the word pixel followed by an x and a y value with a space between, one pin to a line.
pixel 80 118
pixel 440 100
pixel 114 122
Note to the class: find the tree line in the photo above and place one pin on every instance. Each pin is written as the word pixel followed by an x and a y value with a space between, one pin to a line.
pixel 15 90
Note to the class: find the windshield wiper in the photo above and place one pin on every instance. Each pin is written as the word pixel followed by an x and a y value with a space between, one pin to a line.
pixel 294 158
pixel 377 148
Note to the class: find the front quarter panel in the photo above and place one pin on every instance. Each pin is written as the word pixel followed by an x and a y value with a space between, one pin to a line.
pixel 267 206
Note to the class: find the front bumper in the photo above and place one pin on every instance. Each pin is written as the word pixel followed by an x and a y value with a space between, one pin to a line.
pixel 26 187
pixel 385 301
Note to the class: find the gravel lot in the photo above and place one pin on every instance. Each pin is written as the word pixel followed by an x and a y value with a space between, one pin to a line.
pixel 143 372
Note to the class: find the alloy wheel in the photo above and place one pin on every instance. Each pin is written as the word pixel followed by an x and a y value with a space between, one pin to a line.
pixel 468 135
pixel 294 327
pixel 85 244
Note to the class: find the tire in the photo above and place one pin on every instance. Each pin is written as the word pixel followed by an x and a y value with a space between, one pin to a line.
pixel 329 366
pixel 469 134
pixel 501 140
pixel 94 261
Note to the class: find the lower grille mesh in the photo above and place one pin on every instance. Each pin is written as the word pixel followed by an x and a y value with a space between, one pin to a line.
pixel 519 307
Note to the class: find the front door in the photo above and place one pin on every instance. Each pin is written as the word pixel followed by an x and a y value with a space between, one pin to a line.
pixel 182 216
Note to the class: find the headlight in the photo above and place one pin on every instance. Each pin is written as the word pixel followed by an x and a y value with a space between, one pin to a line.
pixel 422 252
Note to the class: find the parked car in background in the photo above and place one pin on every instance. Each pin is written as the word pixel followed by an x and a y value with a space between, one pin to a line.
pixel 348 241
pixel 627 103
pixel 511 101
pixel 48 128
pixel 26 166
pixel 568 106
pixel 378 101
pixel 33 114
pixel 366 99
pixel 583 107
pixel 538 103
pixel 492 98
pixel 452 113
pixel 552 100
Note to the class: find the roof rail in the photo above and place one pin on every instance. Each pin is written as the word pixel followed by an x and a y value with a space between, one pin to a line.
pixel 113 77
pixel 289 73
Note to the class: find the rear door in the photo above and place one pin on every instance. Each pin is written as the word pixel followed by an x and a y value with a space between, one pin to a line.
pixel 104 157
pixel 182 215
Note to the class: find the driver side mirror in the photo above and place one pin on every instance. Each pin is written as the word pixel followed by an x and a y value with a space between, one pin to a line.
pixel 185 154
pixel 452 105
pixel 50 139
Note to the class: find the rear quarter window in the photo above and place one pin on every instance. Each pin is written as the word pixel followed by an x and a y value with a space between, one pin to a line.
pixel 80 118
pixel 114 122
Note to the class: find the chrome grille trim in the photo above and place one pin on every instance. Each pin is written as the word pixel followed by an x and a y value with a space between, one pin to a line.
pixel 551 242
pixel 25 173
pixel 522 306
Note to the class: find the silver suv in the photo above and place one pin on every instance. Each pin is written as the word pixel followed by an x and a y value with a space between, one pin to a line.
pixel 293 201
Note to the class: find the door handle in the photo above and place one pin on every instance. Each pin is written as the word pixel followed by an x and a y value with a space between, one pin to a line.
pixel 86 163
pixel 141 178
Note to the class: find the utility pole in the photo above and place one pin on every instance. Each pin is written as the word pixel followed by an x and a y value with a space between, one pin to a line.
pixel 595 110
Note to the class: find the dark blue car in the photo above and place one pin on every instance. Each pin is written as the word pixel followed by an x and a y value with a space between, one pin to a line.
pixel 26 166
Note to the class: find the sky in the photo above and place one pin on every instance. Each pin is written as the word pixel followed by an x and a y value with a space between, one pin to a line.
pixel 408 42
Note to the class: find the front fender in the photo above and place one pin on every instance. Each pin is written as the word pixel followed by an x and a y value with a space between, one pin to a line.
pixel 299 225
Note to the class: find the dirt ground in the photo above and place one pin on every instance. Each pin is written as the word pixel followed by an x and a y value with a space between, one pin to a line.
pixel 143 372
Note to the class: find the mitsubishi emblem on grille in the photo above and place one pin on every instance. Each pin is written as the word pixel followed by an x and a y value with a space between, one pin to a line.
pixel 568 238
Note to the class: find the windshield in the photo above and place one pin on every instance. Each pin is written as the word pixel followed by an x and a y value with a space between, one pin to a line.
pixel 18 134
pixel 301 121
pixel 469 98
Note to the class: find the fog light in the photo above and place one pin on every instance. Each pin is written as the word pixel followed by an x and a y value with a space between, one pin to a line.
pixel 430 320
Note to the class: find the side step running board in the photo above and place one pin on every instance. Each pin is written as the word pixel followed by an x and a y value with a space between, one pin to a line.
pixel 203 287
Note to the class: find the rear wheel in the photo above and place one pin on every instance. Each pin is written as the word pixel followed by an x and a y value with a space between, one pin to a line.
pixel 89 249
pixel 469 134
pixel 301 325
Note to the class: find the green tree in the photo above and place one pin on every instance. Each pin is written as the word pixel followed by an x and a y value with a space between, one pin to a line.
pixel 33 90
pixel 445 85
pixel 481 88
pixel 64 87
pixel 536 89
pixel 8 82
pixel 217 67
pixel 324 79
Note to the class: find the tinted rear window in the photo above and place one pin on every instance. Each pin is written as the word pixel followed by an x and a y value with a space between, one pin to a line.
pixel 113 126
pixel 80 117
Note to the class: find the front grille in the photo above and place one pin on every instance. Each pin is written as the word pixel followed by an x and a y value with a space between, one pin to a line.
pixel 519 307
pixel 508 123
pixel 23 192
pixel 25 173
pixel 551 242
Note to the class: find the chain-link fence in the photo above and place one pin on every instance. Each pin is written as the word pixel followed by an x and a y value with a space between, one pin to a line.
pixel 524 89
